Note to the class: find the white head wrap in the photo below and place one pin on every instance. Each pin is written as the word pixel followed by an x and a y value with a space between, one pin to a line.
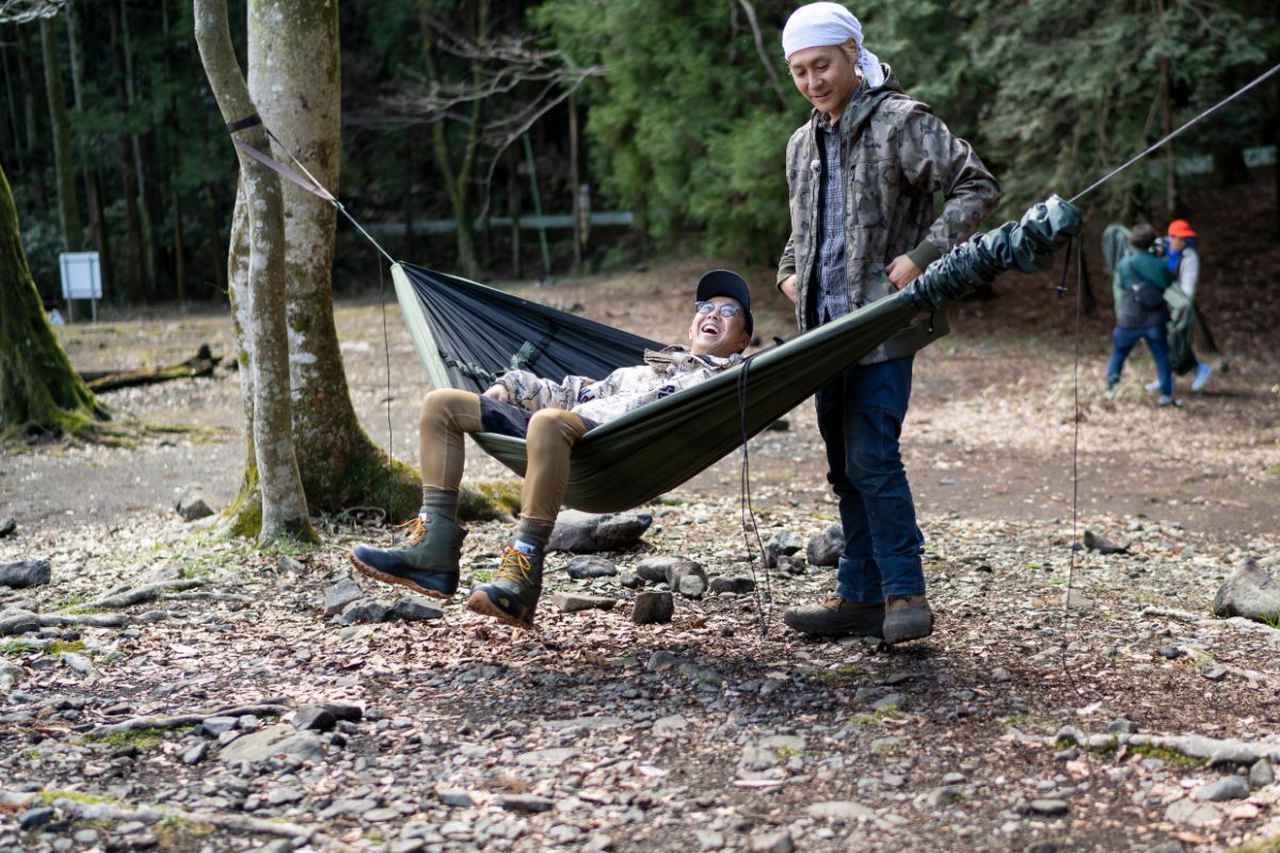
pixel 823 24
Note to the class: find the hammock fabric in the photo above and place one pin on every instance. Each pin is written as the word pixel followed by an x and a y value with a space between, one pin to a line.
pixel 466 333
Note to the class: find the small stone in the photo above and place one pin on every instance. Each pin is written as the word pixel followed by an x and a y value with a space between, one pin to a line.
pixel 193 507
pixel 709 840
pixel 413 608
pixel 738 585
pixel 581 533
pixel 1261 774
pixel 381 815
pixel 345 712
pixel 1049 807
pixel 570 602
pixel 825 548
pixel 456 797
pixel 314 718
pixel 362 612
pixel 278 739
pixel 86 836
pixel 674 724
pixel 196 754
pixel 340 595
pixel 656 569
pixel 589 566
pixel 35 818
pixel 1171 652
pixel 525 803
pixel 7 527
pixel 280 796
pixel 214 726
pixel 772 842
pixel 1000 675
pixel 841 810
pixel 1193 813
pixel 25 573
pixel 889 703
pixel 631 580
pixel 943 796
pixel 653 608
pixel 1214 672
pixel 1226 788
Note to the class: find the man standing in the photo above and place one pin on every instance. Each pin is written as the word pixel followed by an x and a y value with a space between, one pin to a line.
pixel 861 176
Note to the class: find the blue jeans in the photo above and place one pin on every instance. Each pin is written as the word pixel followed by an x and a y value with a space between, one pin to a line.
pixel 1126 339
pixel 860 415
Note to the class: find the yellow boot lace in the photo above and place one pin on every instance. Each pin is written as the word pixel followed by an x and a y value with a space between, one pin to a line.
pixel 515 567
pixel 414 530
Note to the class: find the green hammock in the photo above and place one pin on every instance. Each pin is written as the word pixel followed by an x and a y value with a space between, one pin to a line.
pixel 651 450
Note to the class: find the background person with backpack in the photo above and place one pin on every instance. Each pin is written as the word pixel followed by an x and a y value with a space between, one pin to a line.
pixel 1139 283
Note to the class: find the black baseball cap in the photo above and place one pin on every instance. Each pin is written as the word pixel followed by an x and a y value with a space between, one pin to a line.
pixel 726 283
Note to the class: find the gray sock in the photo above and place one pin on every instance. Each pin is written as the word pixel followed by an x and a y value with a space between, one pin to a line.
pixel 439 502
pixel 534 534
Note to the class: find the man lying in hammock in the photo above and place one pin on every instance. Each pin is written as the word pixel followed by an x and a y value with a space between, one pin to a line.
pixel 551 417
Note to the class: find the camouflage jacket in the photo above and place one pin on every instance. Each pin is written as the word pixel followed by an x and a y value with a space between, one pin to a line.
pixel 627 388
pixel 897 155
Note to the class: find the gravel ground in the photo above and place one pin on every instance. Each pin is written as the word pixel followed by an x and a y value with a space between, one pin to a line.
pixel 178 721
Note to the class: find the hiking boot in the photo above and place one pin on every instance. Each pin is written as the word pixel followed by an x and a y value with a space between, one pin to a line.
pixel 907 618
pixel 837 617
pixel 1166 402
pixel 427 565
pixel 1152 387
pixel 1203 372
pixel 512 596
pixel 1113 390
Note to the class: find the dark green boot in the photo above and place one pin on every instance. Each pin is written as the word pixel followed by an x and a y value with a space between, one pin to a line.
pixel 512 596
pixel 428 565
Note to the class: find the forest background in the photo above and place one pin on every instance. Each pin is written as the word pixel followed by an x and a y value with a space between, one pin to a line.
pixel 676 112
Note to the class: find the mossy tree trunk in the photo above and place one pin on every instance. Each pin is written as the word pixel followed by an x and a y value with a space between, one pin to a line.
pixel 283 503
pixel 39 390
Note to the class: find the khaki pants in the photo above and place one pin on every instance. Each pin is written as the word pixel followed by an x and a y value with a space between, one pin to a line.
pixel 447 415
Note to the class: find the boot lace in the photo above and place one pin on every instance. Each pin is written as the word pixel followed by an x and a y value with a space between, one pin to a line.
pixel 413 530
pixel 514 567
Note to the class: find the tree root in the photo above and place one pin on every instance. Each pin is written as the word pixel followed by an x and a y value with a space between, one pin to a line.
pixel 142 594
pixel 155 814
pixel 1207 749
pixel 158 722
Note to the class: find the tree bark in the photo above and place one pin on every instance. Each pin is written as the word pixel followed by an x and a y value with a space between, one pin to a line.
pixel 39 390
pixel 60 125
pixel 28 91
pixel 11 100
pixel 133 266
pixel 284 506
pixel 97 226
pixel 295 82
pixel 144 205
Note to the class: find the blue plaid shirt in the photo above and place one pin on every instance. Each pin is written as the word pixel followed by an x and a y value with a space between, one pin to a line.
pixel 833 271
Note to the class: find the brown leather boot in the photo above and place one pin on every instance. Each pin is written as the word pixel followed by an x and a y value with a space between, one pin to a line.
pixel 837 617
pixel 907 618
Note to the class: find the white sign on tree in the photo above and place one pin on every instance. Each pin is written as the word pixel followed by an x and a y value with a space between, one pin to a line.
pixel 81 279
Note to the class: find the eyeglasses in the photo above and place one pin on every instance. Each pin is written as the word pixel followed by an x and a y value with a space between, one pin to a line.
pixel 725 310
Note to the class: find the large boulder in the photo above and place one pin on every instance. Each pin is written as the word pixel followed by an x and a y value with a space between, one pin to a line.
pixel 1251 592
pixel 583 533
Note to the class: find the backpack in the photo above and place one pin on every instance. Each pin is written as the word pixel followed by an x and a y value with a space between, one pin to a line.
pixel 1147 295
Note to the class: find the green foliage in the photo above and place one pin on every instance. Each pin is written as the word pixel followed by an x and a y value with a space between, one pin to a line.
pixel 685 126
pixel 1057 116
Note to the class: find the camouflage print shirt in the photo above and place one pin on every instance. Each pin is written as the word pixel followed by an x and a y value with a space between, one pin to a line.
pixel 627 388
pixel 895 156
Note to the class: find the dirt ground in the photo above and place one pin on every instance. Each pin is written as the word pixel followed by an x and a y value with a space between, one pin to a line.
pixel 700 734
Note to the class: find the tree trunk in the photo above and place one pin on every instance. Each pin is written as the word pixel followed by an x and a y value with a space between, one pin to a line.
pixel 139 164
pixel 133 265
pixel 265 334
pixel 39 390
pixel 60 125
pixel 340 464
pixel 28 92
pixel 11 100
pixel 1166 115
pixel 97 226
